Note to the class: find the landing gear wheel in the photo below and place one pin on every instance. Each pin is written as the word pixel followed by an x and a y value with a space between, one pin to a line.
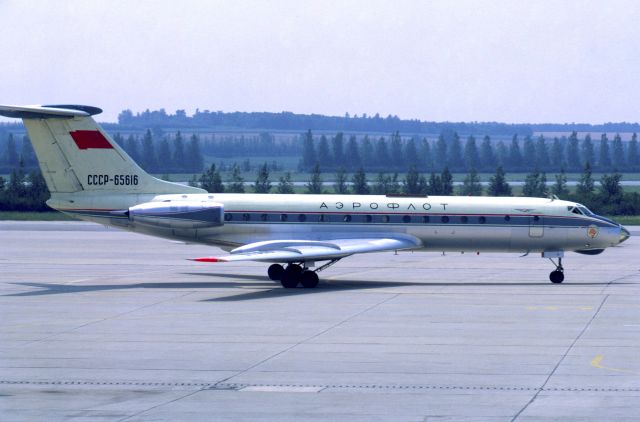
pixel 275 272
pixel 309 279
pixel 291 276
pixel 556 276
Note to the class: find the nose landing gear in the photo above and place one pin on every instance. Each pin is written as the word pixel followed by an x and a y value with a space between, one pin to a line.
pixel 557 276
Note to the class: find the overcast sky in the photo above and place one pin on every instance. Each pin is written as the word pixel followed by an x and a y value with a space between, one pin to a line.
pixel 510 61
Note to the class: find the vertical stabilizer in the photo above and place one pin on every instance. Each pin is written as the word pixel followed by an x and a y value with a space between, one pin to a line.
pixel 76 155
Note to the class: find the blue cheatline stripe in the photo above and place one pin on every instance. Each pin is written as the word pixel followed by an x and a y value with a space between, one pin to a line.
pixel 238 217
pixel 410 219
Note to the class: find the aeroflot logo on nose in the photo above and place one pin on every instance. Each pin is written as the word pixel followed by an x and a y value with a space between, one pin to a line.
pixel 90 139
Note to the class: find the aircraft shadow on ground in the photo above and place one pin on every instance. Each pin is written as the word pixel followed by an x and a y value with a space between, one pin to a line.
pixel 346 285
pixel 262 288
pixel 258 290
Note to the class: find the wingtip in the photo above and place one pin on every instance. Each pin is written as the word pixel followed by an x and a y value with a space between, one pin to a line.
pixel 207 259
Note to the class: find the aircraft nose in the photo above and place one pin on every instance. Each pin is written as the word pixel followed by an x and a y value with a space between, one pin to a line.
pixel 624 234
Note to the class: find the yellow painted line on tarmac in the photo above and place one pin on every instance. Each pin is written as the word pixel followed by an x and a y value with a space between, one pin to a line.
pixel 596 363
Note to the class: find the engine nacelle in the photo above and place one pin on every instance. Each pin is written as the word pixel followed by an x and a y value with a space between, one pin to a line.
pixel 178 214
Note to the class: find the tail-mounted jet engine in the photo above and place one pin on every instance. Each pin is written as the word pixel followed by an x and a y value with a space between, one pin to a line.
pixel 178 214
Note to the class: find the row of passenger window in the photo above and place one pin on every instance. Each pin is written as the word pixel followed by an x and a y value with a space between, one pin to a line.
pixel 357 218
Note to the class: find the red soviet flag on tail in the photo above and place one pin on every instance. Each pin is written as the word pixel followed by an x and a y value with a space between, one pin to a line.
pixel 86 139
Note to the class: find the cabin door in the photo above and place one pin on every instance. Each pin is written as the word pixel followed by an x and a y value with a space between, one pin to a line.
pixel 536 226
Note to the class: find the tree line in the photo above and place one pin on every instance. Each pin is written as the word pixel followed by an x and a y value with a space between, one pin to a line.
pixel 160 152
pixel 16 153
pixel 450 151
pixel 264 144
pixel 24 191
pixel 171 154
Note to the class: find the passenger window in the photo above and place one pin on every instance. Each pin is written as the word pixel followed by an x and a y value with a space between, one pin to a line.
pixel 507 218
pixel 444 219
pixel 228 216
pixel 302 217
pixel 346 218
pixel 464 219
pixel 321 218
pixel 368 218
pixel 264 217
pixel 536 218
pixel 425 218
pixel 385 218
pixel 246 217
pixel 284 217
pixel 482 220
pixel 406 219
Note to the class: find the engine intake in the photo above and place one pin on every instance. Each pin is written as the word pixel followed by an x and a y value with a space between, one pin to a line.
pixel 178 214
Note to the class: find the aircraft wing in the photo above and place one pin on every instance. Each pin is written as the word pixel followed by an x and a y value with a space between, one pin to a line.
pixel 311 250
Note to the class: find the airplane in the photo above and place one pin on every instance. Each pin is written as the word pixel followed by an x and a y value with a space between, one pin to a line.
pixel 92 178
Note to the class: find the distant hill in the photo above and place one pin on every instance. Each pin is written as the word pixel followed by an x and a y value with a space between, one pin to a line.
pixel 287 121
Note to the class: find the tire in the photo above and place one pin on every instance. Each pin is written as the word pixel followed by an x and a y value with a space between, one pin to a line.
pixel 275 272
pixel 309 279
pixel 556 277
pixel 291 276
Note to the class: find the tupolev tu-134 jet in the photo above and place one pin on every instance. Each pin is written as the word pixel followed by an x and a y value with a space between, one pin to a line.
pixel 90 177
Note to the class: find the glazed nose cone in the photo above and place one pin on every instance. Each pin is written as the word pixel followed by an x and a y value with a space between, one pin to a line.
pixel 624 234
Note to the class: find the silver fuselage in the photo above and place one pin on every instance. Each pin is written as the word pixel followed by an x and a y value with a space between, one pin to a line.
pixel 474 224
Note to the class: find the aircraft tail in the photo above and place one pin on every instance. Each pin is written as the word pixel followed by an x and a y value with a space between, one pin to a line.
pixel 76 155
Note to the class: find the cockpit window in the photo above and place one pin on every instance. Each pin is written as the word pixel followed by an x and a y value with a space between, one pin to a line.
pixel 575 210
pixel 585 210
pixel 580 210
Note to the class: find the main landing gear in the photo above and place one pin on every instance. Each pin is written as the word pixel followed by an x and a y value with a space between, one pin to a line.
pixel 295 274
pixel 557 276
